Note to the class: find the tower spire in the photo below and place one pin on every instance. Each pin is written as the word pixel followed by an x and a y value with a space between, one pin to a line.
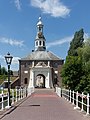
pixel 40 39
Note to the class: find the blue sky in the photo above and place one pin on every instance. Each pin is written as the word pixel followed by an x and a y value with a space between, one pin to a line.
pixel 61 19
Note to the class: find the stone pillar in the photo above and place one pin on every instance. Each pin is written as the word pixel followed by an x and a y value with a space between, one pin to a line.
pixel 32 78
pixel 47 81
pixel 33 64
pixel 48 63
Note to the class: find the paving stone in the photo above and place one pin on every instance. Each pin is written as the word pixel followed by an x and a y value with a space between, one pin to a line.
pixel 44 104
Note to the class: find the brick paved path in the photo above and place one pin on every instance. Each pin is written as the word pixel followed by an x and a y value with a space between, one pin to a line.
pixel 45 105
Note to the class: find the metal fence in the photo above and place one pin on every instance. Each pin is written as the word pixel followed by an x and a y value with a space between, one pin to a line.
pixel 15 96
pixel 81 101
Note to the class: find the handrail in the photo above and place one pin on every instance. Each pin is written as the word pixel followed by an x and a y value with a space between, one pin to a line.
pixel 81 101
pixel 15 96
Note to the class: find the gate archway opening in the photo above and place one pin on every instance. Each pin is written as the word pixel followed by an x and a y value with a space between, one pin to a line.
pixel 40 81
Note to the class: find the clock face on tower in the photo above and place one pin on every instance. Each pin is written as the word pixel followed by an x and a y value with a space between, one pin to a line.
pixel 40 35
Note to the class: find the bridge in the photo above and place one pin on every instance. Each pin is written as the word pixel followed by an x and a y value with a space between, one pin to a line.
pixel 44 104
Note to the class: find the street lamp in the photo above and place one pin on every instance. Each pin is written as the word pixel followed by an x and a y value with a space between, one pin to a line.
pixel 8 59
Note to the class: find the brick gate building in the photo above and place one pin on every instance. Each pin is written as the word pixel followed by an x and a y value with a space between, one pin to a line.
pixel 41 68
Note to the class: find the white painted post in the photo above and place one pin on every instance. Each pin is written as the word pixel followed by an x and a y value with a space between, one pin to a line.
pixel 19 93
pixel 70 96
pixel 12 96
pixel 77 107
pixel 2 100
pixel 8 101
pixel 23 92
pixel 26 92
pixel 16 95
pixel 82 102
pixel 56 90
pixel 87 104
pixel 59 92
pixel 73 97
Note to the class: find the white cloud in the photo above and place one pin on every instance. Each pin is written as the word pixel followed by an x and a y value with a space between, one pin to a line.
pixel 53 7
pixel 15 63
pixel 60 42
pixel 86 36
pixel 17 4
pixel 1 57
pixel 11 42
pixel 15 60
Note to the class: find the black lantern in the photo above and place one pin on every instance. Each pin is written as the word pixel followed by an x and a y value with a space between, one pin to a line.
pixel 8 59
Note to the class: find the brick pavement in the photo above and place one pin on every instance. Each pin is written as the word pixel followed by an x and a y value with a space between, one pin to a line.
pixel 45 105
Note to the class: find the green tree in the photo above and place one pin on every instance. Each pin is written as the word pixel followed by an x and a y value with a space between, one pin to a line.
pixel 85 81
pixel 76 43
pixel 72 70
pixel 3 71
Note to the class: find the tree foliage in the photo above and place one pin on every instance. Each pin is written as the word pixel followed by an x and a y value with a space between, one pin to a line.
pixel 76 70
pixel 76 43
pixel 4 74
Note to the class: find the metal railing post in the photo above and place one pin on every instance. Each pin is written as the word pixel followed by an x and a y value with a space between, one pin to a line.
pixel 77 107
pixel 82 102
pixel 16 95
pixel 70 96
pixel 2 100
pixel 87 104
pixel 12 96
pixel 19 93
pixel 73 97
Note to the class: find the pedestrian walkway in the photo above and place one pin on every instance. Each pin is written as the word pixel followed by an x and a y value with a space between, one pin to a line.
pixel 44 104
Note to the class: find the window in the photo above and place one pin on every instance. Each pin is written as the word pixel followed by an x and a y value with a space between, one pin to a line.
pixel 25 65
pixel 39 42
pixel 43 43
pixel 25 81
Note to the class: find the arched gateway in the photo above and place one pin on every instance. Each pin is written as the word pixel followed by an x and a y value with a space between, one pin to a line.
pixel 40 67
pixel 40 81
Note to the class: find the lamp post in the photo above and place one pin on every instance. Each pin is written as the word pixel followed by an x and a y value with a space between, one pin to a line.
pixel 8 59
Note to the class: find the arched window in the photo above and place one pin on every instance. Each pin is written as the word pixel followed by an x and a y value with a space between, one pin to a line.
pixel 43 43
pixel 25 81
pixel 39 42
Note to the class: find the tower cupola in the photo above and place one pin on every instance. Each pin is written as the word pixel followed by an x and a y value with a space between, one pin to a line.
pixel 40 39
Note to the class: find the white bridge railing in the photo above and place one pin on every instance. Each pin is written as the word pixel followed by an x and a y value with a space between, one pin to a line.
pixel 15 96
pixel 80 101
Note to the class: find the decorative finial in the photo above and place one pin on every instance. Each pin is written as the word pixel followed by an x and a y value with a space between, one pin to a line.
pixel 40 18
